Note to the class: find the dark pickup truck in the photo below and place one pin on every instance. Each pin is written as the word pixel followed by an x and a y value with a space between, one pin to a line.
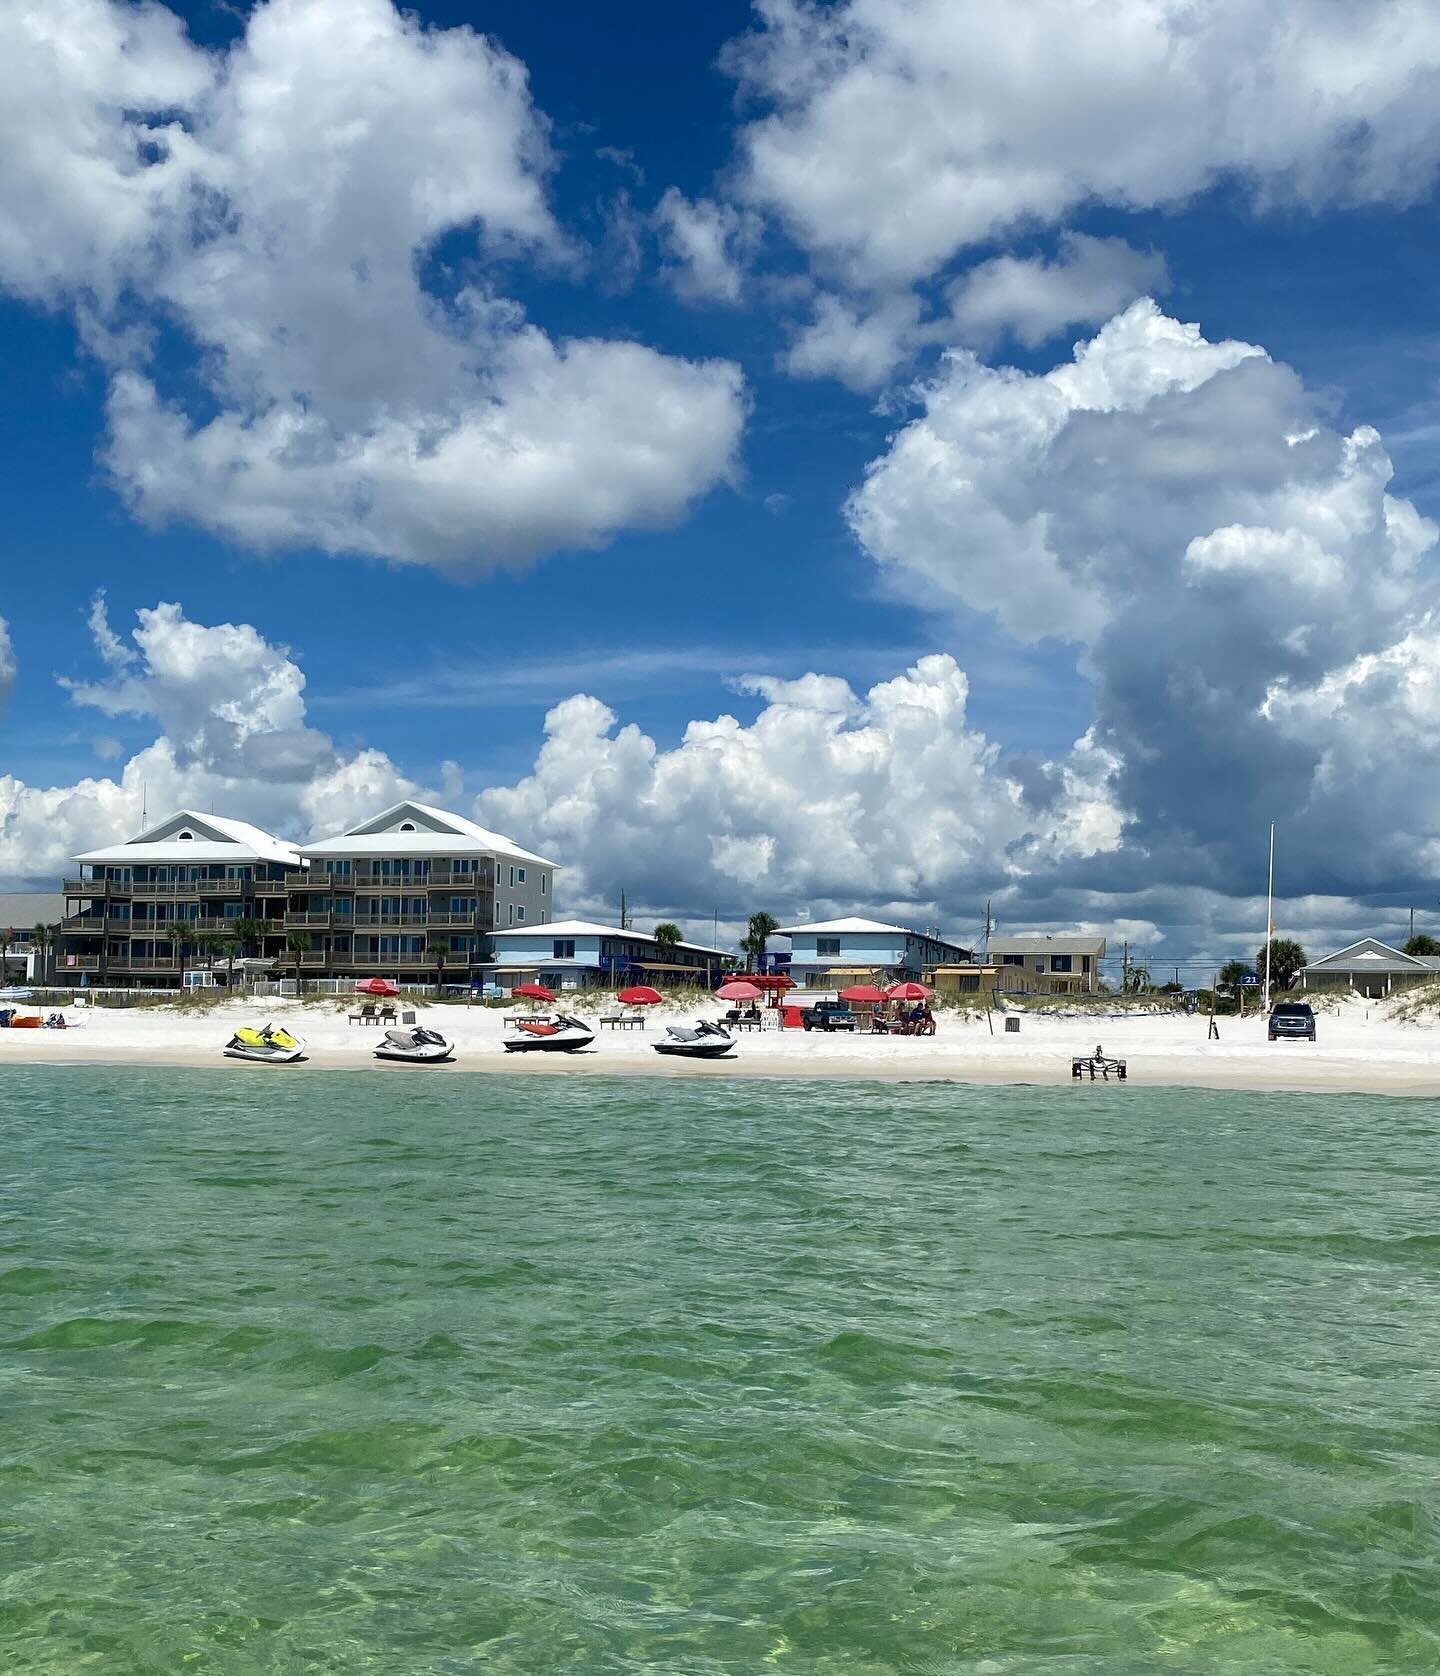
pixel 829 1015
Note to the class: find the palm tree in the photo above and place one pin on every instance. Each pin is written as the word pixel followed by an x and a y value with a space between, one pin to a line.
pixel 1139 978
pixel 1231 975
pixel 40 937
pixel 226 942
pixel 6 938
pixel 753 943
pixel 180 932
pixel 1420 944
pixel 298 942
pixel 666 935
pixel 439 947
pixel 1287 961
pixel 249 931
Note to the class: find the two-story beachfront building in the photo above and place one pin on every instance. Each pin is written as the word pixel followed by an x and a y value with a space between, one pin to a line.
pixel 830 954
pixel 383 895
pixel 577 953
pixel 133 910
pixel 1040 963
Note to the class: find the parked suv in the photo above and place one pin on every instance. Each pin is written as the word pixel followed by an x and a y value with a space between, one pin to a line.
pixel 829 1015
pixel 1292 1018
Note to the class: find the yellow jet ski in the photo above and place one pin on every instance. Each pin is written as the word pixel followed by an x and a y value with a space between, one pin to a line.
pixel 269 1045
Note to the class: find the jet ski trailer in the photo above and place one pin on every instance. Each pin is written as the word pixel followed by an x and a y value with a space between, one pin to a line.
pixel 415 1046
pixel 698 1041
pixel 557 1034
pixel 267 1046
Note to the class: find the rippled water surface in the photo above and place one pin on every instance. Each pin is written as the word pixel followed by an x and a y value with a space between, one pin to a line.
pixel 336 1372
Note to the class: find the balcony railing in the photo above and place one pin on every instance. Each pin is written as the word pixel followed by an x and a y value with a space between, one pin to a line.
pixel 443 920
pixel 370 922
pixel 86 887
pixel 309 918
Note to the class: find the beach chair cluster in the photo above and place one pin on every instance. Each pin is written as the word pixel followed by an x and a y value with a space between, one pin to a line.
pixel 623 1018
pixel 372 1012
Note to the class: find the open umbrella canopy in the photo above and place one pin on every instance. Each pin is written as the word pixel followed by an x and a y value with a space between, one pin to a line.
pixel 376 986
pixel 640 995
pixel 771 980
pixel 862 992
pixel 738 989
pixel 907 992
pixel 534 992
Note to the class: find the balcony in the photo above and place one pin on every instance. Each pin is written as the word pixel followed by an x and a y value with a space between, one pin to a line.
pixel 442 920
pixel 444 879
pixel 372 922
pixel 311 920
pixel 86 887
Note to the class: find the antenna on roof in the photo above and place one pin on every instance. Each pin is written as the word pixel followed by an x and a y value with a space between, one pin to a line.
pixel 144 804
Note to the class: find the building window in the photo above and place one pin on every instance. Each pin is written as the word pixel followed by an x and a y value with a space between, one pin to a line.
pixel 968 982
pixel 1061 963
pixel 512 876
pixel 1012 959
pixel 520 913
pixel 185 837
pixel 1085 964
pixel 520 874
pixel 542 884
pixel 407 826
pixel 563 948
pixel 512 913
pixel 827 945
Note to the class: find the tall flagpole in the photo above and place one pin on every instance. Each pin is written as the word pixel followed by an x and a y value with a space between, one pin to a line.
pixel 1269 915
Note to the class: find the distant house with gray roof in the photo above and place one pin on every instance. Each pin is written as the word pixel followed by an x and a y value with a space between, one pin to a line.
pixel 1059 964
pixel 1370 968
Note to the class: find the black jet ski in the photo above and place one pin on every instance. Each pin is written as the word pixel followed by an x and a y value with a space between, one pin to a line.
pixel 559 1033
pixel 700 1040
pixel 415 1045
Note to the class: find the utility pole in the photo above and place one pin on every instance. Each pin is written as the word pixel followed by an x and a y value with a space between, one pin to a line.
pixel 624 920
pixel 1412 922
pixel 1125 967
pixel 989 926
pixel 1269 915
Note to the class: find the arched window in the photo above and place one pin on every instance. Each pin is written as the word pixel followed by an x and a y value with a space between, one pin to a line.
pixel 407 826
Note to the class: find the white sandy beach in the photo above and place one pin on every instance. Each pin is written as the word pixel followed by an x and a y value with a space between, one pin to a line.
pixel 1360 1048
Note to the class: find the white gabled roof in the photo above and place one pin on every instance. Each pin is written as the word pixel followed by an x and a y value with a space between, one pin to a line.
pixel 436 833
pixel 588 928
pixel 216 838
pixel 1372 952
pixel 842 925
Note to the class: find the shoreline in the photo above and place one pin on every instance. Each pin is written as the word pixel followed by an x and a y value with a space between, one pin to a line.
pixel 1362 1049
pixel 1146 1071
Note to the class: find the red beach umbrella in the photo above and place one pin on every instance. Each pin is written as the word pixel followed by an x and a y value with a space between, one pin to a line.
pixel 534 992
pixel 376 986
pixel 771 980
pixel 640 995
pixel 907 992
pixel 737 990
pixel 862 992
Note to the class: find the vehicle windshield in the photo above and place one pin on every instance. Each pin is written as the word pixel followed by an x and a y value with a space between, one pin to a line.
pixel 1292 1009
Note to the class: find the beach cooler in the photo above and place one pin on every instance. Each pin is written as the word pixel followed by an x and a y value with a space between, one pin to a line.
pixel 790 1018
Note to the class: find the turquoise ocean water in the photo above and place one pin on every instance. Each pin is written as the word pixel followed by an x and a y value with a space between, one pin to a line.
pixel 343 1372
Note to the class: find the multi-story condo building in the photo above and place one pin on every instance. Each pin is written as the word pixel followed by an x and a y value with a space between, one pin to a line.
pixel 832 953
pixel 127 905
pixel 407 893
pixel 575 953
pixel 394 893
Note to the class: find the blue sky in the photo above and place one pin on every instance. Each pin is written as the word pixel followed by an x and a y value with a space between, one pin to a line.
pixel 1318 248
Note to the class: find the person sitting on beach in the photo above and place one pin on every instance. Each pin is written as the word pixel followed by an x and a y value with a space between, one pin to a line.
pixel 925 1024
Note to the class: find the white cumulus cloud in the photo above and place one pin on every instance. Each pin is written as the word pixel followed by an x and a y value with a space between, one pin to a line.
pixel 827 797
pixel 1253 607
pixel 902 131
pixel 708 244
pixel 1031 299
pixel 232 735
pixel 284 204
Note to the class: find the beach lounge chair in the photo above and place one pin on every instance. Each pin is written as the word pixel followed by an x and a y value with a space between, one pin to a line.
pixel 363 1015
pixel 387 1014
pixel 613 1016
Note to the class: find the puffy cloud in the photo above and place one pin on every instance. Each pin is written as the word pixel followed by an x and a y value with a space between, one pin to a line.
pixel 708 244
pixel 903 131
pixel 283 204
pixel 1033 299
pixel 827 797
pixel 233 736
pixel 1254 609
pixel 860 347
